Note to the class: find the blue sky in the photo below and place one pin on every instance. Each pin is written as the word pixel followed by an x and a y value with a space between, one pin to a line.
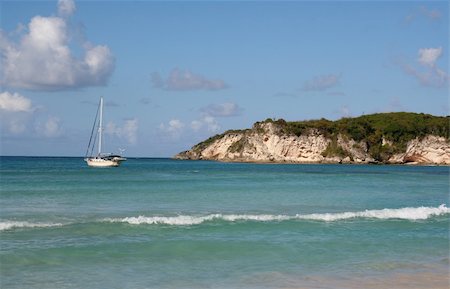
pixel 174 73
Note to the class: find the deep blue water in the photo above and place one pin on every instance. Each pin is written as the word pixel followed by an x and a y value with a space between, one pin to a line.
pixel 161 223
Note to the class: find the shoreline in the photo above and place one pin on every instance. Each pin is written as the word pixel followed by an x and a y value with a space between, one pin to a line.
pixel 412 164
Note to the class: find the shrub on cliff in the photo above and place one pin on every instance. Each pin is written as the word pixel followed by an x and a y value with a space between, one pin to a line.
pixel 397 127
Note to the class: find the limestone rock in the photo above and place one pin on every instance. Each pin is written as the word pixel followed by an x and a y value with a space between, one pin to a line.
pixel 266 142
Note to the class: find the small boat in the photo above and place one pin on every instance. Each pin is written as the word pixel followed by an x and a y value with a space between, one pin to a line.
pixel 101 159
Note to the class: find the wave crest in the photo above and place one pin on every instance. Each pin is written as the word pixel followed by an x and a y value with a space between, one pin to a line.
pixel 420 213
pixel 8 225
pixel 408 213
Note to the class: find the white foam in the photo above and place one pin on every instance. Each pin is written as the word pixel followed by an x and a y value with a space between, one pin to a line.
pixel 409 213
pixel 8 225
pixel 183 220
pixel 177 220
pixel 420 213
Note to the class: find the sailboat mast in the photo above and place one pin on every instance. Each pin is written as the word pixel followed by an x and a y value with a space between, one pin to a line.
pixel 100 127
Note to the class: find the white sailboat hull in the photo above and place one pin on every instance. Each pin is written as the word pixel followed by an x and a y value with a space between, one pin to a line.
pixel 103 163
pixel 102 160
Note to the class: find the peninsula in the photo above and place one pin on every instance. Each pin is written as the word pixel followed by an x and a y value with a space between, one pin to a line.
pixel 391 138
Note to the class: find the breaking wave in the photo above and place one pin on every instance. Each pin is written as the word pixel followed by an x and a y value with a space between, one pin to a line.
pixel 8 225
pixel 408 213
pixel 419 213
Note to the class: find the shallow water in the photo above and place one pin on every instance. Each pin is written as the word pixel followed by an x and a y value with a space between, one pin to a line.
pixel 161 223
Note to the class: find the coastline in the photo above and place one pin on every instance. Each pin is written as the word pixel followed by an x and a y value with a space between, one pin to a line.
pixel 315 163
pixel 279 141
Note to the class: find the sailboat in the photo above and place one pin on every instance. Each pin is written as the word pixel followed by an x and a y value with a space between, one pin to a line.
pixel 101 159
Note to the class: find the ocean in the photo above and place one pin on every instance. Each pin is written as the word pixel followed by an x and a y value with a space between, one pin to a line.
pixel 162 223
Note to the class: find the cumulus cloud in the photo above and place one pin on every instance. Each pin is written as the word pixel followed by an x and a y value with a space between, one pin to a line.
pixel 222 110
pixel 42 58
pixel 50 128
pixel 211 124
pixel 425 69
pixel 173 128
pixel 19 117
pixel 429 56
pixel 207 122
pixel 322 82
pixel 66 7
pixel 14 102
pixel 15 113
pixel 128 131
pixel 184 80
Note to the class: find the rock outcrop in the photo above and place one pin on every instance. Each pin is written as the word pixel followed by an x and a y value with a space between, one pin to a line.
pixel 428 150
pixel 267 142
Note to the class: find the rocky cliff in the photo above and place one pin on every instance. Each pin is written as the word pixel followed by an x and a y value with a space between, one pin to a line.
pixel 271 142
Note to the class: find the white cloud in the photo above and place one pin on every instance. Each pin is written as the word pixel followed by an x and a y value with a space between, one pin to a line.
pixel 183 80
pixel 176 128
pixel 211 124
pixel 322 82
pixel 14 102
pixel 19 117
pixel 42 59
pixel 207 123
pixel 173 128
pixel 128 131
pixel 175 124
pixel 50 128
pixel 429 56
pixel 426 70
pixel 222 110
pixel 15 113
pixel 66 7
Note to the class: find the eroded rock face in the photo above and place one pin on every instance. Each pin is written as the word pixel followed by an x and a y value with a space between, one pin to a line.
pixel 429 150
pixel 266 142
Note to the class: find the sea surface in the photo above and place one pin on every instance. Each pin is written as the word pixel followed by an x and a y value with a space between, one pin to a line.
pixel 162 223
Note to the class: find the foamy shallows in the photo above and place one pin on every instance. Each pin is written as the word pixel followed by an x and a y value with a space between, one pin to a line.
pixel 408 213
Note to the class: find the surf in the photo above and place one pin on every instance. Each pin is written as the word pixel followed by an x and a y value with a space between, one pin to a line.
pixel 407 213
pixel 9 225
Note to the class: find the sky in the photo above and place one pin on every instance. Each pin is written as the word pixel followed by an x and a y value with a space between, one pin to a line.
pixel 174 73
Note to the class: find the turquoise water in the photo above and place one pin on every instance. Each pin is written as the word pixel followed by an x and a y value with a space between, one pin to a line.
pixel 161 223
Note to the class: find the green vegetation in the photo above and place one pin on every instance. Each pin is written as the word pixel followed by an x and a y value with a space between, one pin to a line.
pixel 204 144
pixel 333 149
pixel 384 134
pixel 238 146
pixel 397 127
